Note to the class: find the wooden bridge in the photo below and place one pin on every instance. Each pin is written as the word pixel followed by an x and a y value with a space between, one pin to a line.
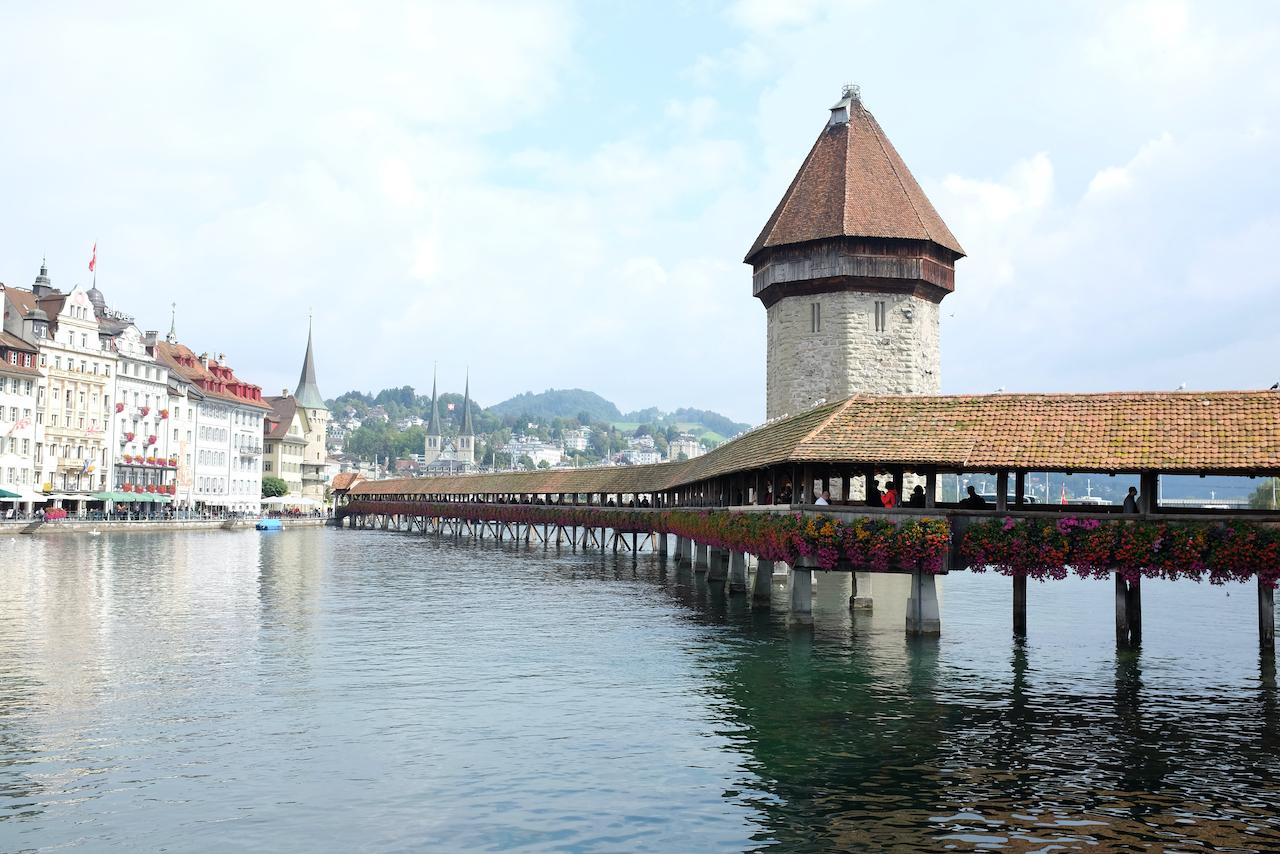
pixel 844 448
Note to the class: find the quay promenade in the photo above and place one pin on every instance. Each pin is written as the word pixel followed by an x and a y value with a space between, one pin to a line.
pixel 76 525
pixel 720 507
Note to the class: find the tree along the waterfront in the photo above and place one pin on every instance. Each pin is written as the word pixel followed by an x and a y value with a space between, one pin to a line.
pixel 274 487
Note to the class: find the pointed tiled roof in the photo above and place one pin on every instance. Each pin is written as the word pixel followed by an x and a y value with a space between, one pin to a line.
pixel 433 425
pixel 853 184
pixel 467 429
pixel 308 393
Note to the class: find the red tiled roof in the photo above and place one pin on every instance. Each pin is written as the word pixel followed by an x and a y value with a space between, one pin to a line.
pixel 344 480
pixel 13 342
pixel 276 425
pixel 217 381
pixel 22 300
pixel 1221 432
pixel 854 184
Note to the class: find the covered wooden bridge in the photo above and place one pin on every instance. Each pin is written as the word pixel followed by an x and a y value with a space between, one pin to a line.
pixel 845 446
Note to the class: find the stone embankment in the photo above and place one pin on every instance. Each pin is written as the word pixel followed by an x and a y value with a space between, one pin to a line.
pixel 77 526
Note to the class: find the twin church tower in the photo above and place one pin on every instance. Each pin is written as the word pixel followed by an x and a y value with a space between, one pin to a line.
pixel 851 268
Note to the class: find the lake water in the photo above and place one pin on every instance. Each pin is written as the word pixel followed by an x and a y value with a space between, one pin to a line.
pixel 334 690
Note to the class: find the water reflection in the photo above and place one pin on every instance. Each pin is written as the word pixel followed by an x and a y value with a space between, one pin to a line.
pixel 459 697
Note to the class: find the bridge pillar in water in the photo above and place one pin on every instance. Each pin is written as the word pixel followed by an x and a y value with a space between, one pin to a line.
pixel 762 589
pixel 662 546
pixel 1128 611
pixel 699 556
pixel 682 552
pixel 860 596
pixel 1266 618
pixel 737 572
pixel 1020 606
pixel 801 590
pixel 923 616
pixel 717 565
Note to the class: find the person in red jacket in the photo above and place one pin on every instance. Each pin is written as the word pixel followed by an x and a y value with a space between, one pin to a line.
pixel 890 497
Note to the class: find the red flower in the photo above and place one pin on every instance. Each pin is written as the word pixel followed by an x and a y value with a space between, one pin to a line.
pixel 119 407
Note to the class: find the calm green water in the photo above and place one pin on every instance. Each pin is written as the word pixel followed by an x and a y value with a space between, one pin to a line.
pixel 322 690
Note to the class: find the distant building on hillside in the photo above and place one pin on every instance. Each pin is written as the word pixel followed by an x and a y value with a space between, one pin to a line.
pixel 685 444
pixel 575 439
pixel 535 449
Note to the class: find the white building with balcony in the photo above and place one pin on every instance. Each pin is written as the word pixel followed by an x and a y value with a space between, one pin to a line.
pixel 144 457
pixel 224 419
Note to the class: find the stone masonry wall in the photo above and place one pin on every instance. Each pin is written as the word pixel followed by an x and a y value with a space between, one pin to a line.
pixel 848 355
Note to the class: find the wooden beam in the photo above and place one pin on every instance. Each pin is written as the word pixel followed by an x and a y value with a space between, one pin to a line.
pixel 1266 618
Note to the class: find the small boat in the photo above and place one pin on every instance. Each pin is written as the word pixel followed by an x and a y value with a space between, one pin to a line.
pixel 269 525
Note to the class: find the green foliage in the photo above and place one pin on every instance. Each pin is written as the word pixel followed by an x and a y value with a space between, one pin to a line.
pixel 1264 497
pixel 274 487
pixel 558 403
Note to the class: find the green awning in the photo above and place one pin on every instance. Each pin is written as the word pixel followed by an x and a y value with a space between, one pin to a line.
pixel 4 493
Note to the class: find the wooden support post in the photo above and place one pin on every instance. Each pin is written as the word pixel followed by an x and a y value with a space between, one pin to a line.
pixel 1020 606
pixel 1128 612
pixel 931 488
pixel 1148 489
pixel 1019 488
pixel 1266 618
pixel 1002 491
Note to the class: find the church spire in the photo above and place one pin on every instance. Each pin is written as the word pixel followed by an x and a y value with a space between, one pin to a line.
pixel 172 337
pixel 433 426
pixel 308 393
pixel 467 429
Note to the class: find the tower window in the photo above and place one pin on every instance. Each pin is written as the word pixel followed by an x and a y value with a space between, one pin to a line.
pixel 882 316
pixel 815 317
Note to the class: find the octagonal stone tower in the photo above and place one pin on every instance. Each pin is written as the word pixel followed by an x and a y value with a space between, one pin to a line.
pixel 852 267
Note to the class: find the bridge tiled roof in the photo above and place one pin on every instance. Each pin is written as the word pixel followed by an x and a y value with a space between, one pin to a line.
pixel 1221 432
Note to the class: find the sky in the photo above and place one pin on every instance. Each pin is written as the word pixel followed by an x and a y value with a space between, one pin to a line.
pixel 559 195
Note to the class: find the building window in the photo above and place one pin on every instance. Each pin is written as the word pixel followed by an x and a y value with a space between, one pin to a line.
pixel 882 316
pixel 815 317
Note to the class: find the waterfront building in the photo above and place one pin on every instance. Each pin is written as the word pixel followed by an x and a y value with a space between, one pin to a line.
pixel 19 438
pixel 284 441
pixel 142 450
pixel 229 412
pixel 71 459
pixel 851 269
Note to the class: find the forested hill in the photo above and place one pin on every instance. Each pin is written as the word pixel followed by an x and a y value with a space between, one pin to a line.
pixel 572 404
pixel 560 403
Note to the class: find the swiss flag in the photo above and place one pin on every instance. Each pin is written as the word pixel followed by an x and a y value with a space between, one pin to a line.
pixel 450 407
pixel 1064 493
pixel 93 262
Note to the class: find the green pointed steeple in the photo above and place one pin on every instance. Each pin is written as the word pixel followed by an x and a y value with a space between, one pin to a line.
pixel 308 393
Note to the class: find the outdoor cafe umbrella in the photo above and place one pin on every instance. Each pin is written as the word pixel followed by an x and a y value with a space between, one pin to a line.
pixel 4 493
